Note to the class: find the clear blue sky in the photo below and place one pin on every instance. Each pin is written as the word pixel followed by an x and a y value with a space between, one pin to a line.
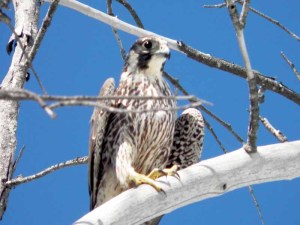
pixel 79 53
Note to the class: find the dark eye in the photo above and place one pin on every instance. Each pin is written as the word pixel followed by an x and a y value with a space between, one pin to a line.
pixel 147 44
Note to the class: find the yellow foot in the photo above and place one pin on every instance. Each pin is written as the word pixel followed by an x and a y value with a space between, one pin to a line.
pixel 156 173
pixel 139 179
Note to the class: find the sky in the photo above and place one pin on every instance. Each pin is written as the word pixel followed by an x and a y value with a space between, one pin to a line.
pixel 79 53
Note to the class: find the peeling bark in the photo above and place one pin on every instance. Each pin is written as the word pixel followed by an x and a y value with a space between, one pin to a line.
pixel 26 25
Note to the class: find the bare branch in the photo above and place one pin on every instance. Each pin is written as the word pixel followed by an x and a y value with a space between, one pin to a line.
pixel 120 110
pixel 26 21
pixel 209 127
pixel 21 180
pixel 203 108
pixel 291 65
pixel 215 176
pixel 221 5
pixel 269 83
pixel 266 81
pixel 42 31
pixel 115 32
pixel 18 158
pixel 251 191
pixel 277 133
pixel 16 36
pixel 274 21
pixel 254 103
pixel 61 101
pixel 132 12
pixel 244 13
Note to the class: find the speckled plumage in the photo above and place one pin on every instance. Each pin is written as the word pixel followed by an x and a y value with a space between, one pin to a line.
pixel 130 143
pixel 187 143
pixel 121 143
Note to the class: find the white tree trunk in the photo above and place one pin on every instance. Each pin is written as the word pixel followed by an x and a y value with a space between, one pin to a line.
pixel 204 180
pixel 26 20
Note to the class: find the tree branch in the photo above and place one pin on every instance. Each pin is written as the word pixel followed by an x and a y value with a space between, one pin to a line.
pixel 91 101
pixel 21 180
pixel 207 179
pixel 266 81
pixel 277 133
pixel 26 22
pixel 239 25
pixel 291 65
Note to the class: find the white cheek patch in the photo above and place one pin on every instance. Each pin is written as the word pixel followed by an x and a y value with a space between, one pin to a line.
pixel 155 65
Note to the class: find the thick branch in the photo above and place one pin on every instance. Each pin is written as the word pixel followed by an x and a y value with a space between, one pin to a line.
pixel 209 178
pixel 26 20
pixel 253 92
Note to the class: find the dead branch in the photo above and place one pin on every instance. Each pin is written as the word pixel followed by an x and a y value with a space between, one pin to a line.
pixel 215 176
pixel 268 82
pixel 21 180
pixel 253 91
pixel 91 101
pixel 277 133
pixel 26 22
pixel 270 19
pixel 291 65
pixel 204 109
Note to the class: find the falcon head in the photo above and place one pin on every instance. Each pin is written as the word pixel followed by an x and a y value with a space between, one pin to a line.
pixel 148 55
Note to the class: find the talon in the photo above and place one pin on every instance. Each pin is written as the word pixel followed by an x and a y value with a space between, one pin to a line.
pixel 156 173
pixel 139 179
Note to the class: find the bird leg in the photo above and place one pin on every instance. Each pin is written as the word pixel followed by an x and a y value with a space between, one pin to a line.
pixel 139 179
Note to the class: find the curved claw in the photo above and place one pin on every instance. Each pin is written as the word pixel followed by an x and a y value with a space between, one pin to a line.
pixel 156 173
pixel 139 179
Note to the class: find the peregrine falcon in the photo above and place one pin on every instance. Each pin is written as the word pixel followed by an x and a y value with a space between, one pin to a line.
pixel 132 148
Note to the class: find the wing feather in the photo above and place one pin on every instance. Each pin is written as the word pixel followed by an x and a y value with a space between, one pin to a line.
pixel 187 144
pixel 98 126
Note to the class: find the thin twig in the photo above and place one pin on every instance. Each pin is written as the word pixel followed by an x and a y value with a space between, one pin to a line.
pixel 26 55
pixel 120 110
pixel 115 32
pixel 291 65
pixel 18 158
pixel 23 94
pixel 277 133
pixel 251 191
pixel 203 108
pixel 251 146
pixel 21 180
pixel 209 127
pixel 132 12
pixel 223 123
pixel 62 101
pixel 274 21
pixel 39 37
pixel 244 13
pixel 221 5
pixel 270 19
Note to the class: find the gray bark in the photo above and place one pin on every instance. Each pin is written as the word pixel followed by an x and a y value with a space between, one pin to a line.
pixel 26 25
pixel 207 179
